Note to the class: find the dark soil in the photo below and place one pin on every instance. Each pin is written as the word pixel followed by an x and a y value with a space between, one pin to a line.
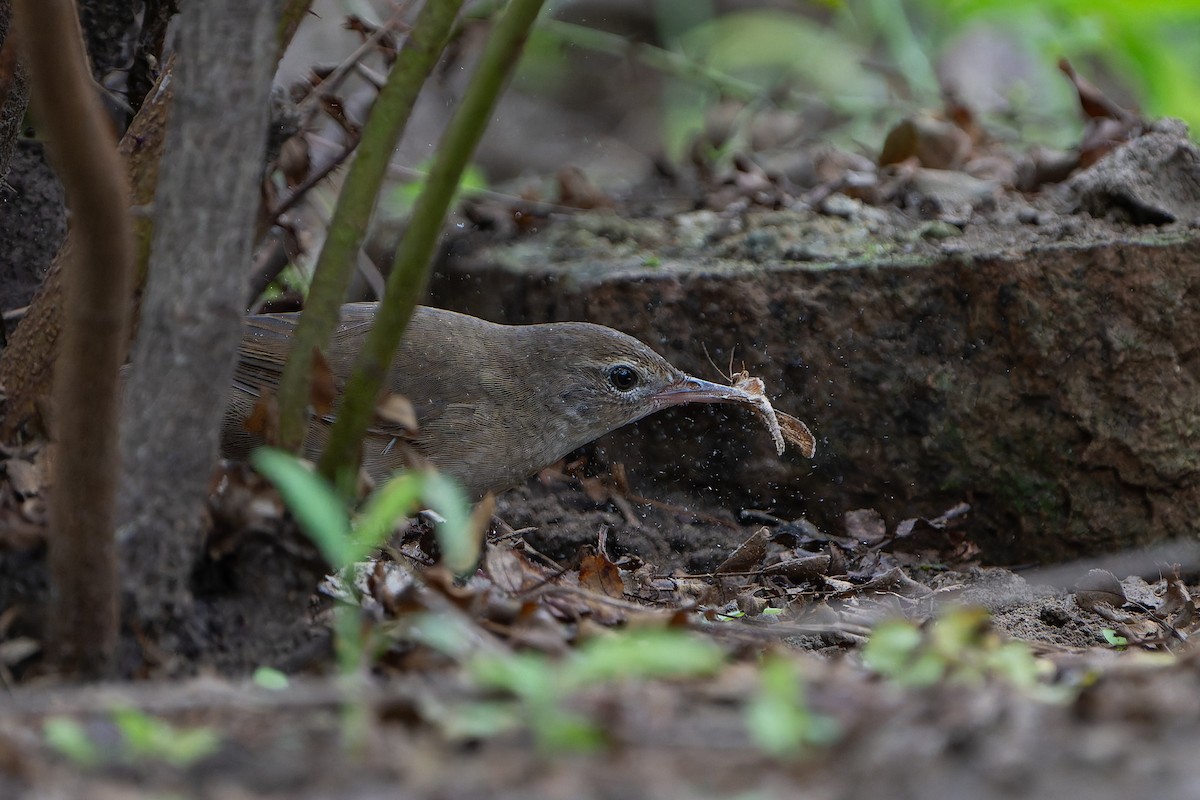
pixel 32 225
pixel 1119 724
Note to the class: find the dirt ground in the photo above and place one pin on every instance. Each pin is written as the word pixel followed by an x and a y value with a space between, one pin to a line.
pixel 1093 718
pixel 836 649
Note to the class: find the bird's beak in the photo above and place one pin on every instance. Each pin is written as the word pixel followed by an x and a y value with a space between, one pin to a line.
pixel 694 390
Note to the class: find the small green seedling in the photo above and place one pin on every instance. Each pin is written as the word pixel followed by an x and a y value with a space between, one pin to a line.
pixel 143 738
pixel 959 646
pixel 324 518
pixel 542 686
pixel 779 718
pixel 1114 639
pixel 147 737
pixel 71 739
pixel 270 678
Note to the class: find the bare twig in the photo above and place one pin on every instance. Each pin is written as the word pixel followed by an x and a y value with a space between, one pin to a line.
pixel 330 83
pixel 289 202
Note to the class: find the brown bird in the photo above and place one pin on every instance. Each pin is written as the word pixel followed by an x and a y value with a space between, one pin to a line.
pixel 494 403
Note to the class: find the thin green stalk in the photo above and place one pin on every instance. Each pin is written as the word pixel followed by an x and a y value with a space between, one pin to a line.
pixel 353 212
pixel 907 50
pixel 410 270
pixel 291 15
pixel 665 61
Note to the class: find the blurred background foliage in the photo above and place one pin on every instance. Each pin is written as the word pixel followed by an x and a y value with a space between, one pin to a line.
pixel 870 62
pixel 625 92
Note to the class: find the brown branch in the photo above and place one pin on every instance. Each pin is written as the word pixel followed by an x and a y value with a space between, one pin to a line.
pixel 83 614
pixel 310 182
pixel 329 85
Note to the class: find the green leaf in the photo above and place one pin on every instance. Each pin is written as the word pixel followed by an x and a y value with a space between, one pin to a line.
pixel 396 498
pixel 560 731
pixel 959 631
pixel 1113 638
pixel 898 650
pixel 139 731
pixel 458 542
pixel 348 637
pixel 399 201
pixel 312 502
pixel 1016 662
pixel 146 737
pixel 925 670
pixel 70 739
pixel 532 679
pixel 480 720
pixel 445 633
pixel 270 678
pixel 778 717
pixel 188 746
pixel 645 654
pixel 773 715
pixel 892 647
pixel 526 675
pixel 786 48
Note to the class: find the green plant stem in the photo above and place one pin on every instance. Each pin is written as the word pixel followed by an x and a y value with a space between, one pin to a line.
pixel 410 270
pixel 909 54
pixel 291 15
pixel 665 61
pixel 353 212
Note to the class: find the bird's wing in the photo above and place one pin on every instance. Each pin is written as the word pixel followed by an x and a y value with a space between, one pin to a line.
pixel 266 341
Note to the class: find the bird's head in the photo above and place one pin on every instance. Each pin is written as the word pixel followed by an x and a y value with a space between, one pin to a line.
pixel 605 379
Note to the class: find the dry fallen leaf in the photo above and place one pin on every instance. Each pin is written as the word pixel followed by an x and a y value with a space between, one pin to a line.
pixel 783 427
pixel 749 555
pixel 797 433
pixel 264 419
pixel 758 401
pixel 324 390
pixel 598 574
pixel 1099 586
pixel 748 384
pixel 24 478
pixel 396 409
pixel 294 160
pixel 866 526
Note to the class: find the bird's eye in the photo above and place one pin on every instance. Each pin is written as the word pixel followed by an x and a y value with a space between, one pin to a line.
pixel 623 377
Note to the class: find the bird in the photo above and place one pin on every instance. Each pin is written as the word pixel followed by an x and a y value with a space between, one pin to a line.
pixel 494 404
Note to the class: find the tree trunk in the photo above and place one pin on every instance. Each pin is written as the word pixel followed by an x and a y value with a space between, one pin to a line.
pixel 190 321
